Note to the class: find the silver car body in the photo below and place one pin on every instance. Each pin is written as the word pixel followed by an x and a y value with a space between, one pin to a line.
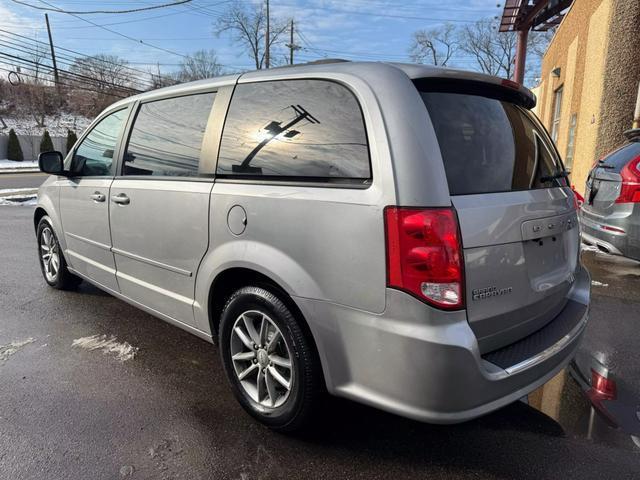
pixel 324 246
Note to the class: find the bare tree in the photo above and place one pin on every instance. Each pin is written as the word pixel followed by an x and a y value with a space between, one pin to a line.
pixel 6 107
pixel 97 82
pixel 435 46
pixel 247 23
pixel 495 51
pixel 199 65
pixel 160 79
pixel 31 99
pixel 107 74
pixel 37 57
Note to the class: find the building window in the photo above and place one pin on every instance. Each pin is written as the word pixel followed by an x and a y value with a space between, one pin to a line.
pixel 557 107
pixel 571 141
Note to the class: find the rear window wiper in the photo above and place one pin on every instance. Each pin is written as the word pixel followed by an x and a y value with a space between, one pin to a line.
pixel 601 164
pixel 554 176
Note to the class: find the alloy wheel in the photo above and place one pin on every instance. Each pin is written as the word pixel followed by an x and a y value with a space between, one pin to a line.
pixel 50 254
pixel 261 359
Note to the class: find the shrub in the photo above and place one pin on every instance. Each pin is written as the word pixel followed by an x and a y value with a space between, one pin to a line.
pixel 71 140
pixel 14 151
pixel 46 145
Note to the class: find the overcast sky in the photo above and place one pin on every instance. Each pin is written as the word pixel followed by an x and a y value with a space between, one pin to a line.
pixel 353 29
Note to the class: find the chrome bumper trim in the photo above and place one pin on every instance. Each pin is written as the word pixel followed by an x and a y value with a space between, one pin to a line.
pixel 551 351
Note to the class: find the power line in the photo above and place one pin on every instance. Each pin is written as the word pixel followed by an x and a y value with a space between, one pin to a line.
pixel 143 19
pixel 381 15
pixel 117 76
pixel 118 33
pixel 35 45
pixel 76 87
pixel 90 12
pixel 70 75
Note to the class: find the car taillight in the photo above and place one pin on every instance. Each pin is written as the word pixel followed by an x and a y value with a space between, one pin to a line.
pixel 603 387
pixel 578 200
pixel 424 254
pixel 630 191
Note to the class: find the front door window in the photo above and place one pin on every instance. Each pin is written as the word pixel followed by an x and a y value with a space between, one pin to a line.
pixel 95 154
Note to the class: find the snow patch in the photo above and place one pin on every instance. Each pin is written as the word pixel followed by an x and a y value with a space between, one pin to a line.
pixel 596 283
pixel 108 345
pixel 6 191
pixel 30 200
pixel 56 125
pixel 12 165
pixel 7 350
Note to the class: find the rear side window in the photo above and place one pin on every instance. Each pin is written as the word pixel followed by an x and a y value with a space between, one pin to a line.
pixel 620 157
pixel 166 137
pixel 294 129
pixel 489 145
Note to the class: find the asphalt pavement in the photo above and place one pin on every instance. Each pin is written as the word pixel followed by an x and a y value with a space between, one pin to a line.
pixel 74 413
pixel 21 180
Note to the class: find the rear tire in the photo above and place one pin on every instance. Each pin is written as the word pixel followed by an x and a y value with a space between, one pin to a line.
pixel 52 262
pixel 270 363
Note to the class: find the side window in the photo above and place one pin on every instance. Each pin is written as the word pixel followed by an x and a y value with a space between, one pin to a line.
pixel 94 155
pixel 310 129
pixel 166 138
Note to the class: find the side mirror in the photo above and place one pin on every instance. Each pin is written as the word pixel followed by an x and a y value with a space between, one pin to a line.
pixel 51 162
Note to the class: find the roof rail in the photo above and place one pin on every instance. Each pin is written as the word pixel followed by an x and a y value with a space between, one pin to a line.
pixel 327 60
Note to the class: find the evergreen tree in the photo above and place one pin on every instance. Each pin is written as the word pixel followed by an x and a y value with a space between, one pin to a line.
pixel 71 140
pixel 14 151
pixel 46 145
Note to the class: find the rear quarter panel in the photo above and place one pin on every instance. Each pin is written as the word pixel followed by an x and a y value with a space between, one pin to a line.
pixel 319 242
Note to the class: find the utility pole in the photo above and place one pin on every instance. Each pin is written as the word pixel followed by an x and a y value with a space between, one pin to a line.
pixel 291 45
pixel 267 40
pixel 53 55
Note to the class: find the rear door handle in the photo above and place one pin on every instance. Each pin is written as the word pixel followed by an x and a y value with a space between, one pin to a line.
pixel 121 199
pixel 98 197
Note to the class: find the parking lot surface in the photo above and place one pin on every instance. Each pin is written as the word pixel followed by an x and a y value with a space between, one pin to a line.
pixel 137 398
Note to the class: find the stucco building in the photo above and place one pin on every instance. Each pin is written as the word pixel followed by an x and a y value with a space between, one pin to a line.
pixel 589 81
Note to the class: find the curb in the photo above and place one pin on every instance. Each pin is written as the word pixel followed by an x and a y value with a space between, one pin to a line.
pixel 19 170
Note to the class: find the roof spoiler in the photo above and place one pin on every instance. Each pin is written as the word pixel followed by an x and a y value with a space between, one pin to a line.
pixel 500 89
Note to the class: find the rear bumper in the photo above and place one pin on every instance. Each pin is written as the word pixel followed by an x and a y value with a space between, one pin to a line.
pixel 605 244
pixel 425 364
pixel 594 231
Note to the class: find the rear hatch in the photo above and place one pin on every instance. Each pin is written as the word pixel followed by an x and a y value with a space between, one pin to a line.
pixel 517 215
pixel 613 183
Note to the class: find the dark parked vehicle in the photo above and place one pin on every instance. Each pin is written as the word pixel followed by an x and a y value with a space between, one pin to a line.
pixel 610 216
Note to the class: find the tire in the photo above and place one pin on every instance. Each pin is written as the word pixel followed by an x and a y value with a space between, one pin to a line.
pixel 53 265
pixel 262 390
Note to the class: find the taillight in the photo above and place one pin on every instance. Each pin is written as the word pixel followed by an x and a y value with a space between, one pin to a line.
pixel 424 254
pixel 578 200
pixel 603 387
pixel 630 191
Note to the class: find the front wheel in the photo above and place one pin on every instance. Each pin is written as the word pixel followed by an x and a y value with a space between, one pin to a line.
pixel 269 361
pixel 52 262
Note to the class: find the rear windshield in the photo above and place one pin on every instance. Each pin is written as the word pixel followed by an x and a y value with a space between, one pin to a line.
pixel 620 157
pixel 490 145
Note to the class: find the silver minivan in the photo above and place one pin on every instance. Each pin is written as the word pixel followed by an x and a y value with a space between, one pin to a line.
pixel 399 235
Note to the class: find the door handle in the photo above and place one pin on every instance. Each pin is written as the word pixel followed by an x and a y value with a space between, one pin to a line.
pixel 98 197
pixel 121 199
